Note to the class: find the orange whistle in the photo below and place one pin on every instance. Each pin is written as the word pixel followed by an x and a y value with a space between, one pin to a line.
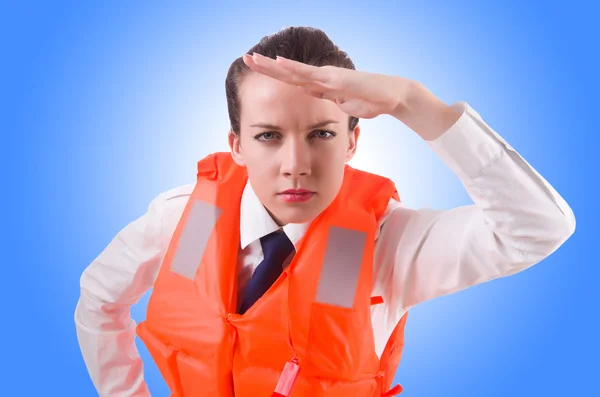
pixel 287 379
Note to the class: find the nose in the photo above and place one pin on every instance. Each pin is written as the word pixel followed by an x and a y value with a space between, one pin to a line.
pixel 296 158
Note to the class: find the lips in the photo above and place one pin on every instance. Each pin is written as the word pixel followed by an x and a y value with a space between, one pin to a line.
pixel 296 195
pixel 296 191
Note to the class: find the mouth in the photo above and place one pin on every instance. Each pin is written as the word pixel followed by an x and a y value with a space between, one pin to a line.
pixel 296 195
pixel 296 191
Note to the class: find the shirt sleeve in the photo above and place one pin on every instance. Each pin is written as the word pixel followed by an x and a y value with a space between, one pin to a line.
pixel 517 219
pixel 110 285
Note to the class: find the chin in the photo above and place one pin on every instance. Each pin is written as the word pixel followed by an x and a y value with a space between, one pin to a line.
pixel 298 215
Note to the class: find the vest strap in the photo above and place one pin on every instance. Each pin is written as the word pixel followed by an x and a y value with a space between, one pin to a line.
pixel 394 391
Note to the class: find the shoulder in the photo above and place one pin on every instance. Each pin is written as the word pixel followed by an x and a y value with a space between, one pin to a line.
pixel 173 199
pixel 168 207
pixel 393 206
pixel 183 191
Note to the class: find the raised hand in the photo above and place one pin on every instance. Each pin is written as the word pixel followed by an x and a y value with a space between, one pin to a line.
pixel 359 94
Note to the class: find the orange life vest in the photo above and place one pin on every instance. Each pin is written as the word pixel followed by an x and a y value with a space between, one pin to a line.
pixel 314 321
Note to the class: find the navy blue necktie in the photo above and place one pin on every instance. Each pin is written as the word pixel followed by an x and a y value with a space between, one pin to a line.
pixel 276 248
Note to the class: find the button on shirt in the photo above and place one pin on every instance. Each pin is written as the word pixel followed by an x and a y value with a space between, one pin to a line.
pixel 516 221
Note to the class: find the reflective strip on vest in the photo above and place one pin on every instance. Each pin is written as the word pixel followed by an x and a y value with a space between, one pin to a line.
pixel 194 238
pixel 341 267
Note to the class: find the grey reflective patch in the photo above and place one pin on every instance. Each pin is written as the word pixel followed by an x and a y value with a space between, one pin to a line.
pixel 194 238
pixel 341 267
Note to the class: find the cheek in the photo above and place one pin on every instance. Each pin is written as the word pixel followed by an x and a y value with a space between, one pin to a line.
pixel 335 154
pixel 256 154
pixel 262 172
pixel 262 169
pixel 330 165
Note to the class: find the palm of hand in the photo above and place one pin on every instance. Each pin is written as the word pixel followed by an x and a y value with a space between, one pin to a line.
pixel 359 94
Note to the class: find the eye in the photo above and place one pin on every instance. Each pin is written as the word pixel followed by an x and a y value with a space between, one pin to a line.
pixel 265 136
pixel 324 134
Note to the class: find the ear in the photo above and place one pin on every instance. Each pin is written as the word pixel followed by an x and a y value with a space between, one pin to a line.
pixel 352 142
pixel 236 148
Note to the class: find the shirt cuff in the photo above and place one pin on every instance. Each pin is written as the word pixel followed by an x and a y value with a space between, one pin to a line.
pixel 470 145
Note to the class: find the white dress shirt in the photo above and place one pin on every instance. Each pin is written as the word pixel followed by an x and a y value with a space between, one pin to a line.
pixel 517 220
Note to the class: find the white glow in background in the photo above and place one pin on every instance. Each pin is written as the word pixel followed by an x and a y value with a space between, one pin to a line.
pixel 109 106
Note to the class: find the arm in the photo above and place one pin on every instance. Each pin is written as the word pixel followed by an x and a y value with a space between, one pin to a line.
pixel 110 285
pixel 517 218
pixel 420 110
pixel 516 221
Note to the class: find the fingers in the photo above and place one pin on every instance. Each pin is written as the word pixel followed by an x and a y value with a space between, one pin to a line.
pixel 252 62
pixel 268 67
pixel 334 80
pixel 310 72
pixel 288 71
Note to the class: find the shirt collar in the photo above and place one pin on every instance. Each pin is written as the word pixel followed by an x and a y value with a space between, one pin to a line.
pixel 256 222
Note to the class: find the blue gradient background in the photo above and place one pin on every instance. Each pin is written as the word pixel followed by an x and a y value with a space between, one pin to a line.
pixel 105 106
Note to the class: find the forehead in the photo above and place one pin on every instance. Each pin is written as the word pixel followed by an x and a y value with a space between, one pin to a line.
pixel 267 100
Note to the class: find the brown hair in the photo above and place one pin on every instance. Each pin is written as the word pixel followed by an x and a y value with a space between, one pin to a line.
pixel 303 44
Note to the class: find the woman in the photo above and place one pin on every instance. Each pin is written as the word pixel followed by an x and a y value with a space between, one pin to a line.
pixel 283 271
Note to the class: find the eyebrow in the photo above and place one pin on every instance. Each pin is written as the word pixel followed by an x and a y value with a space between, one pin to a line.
pixel 312 127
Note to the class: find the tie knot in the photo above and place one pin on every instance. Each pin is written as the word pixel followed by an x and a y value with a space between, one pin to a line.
pixel 276 246
pixel 276 249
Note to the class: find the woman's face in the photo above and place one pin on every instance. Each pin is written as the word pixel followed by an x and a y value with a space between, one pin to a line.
pixel 290 141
